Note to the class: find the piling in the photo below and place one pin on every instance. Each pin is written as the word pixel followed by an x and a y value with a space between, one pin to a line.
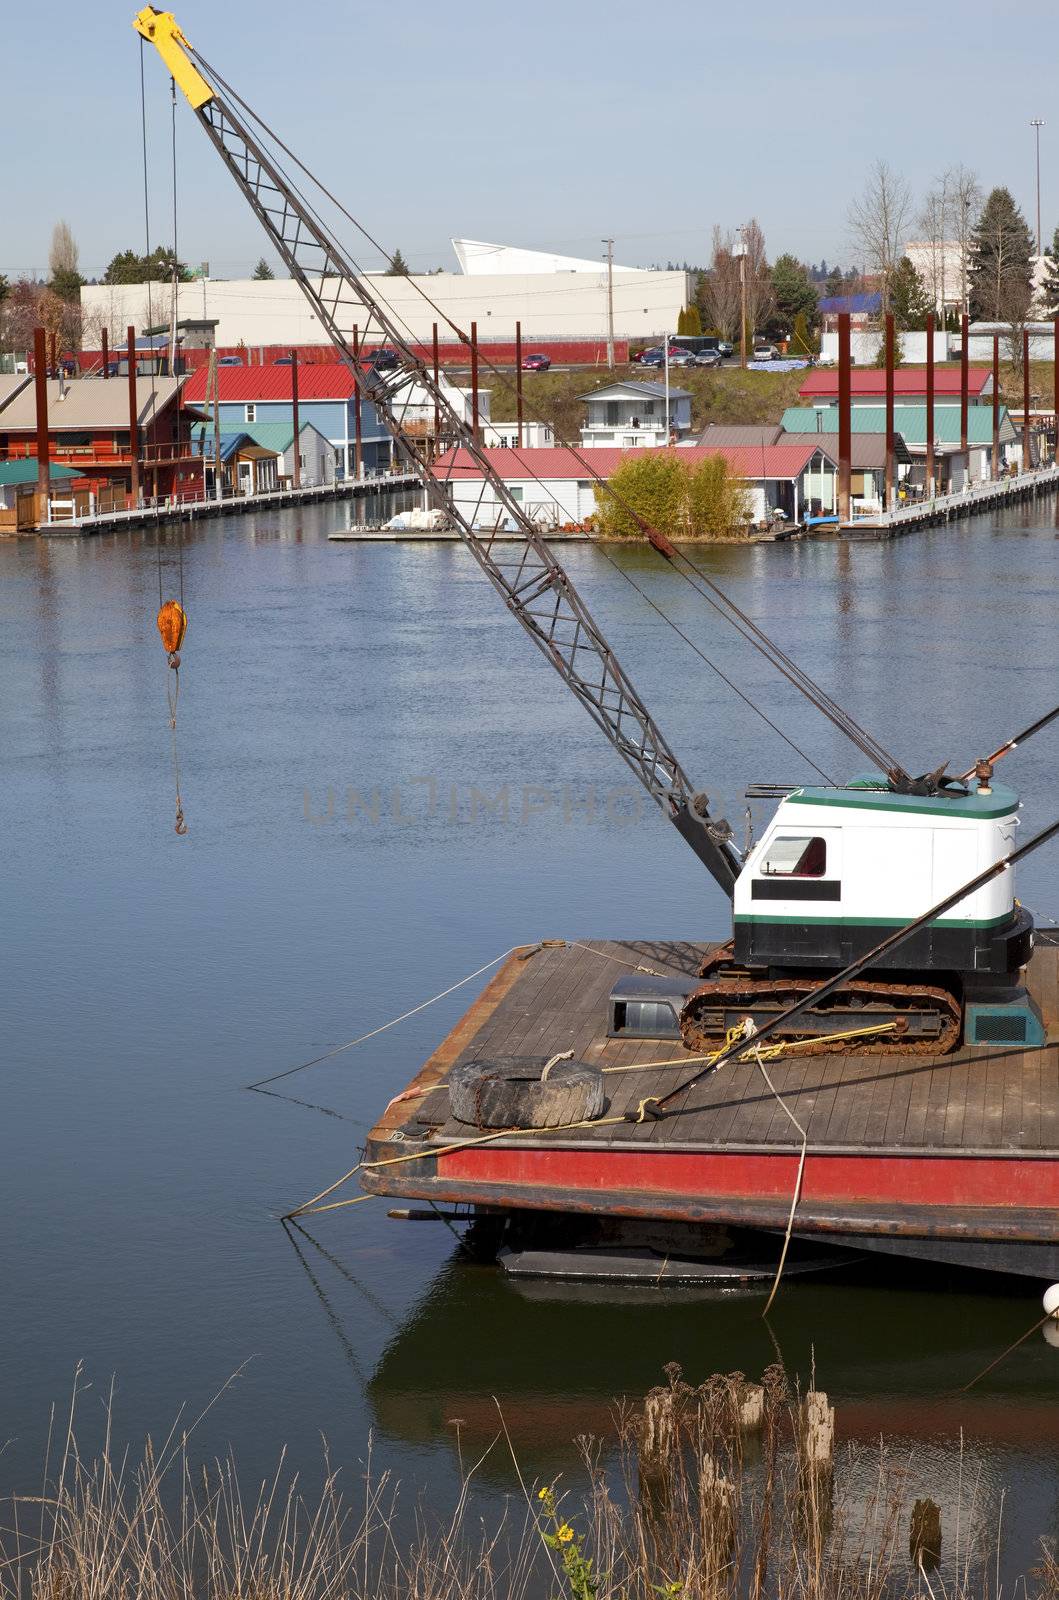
pixel 924 1536
pixel 816 1468
pixel 358 411
pixel 890 352
pixel 845 423
pixel 474 381
pixel 297 473
pixel 437 379
pixel 930 407
pixel 134 421
pixel 518 376
pixel 996 405
pixel 1055 382
pixel 1027 457
pixel 964 383
pixel 106 354
pixel 40 379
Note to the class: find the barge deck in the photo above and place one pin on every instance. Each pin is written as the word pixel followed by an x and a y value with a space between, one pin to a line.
pixel 952 1158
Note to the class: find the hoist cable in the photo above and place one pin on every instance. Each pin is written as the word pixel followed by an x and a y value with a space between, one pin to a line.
pixel 684 566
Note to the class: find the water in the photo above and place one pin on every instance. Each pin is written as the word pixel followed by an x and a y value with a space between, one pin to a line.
pixel 146 978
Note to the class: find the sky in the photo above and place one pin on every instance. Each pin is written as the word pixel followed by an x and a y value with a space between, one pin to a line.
pixel 549 125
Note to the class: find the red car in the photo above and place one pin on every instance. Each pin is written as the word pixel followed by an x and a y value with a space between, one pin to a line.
pixel 537 362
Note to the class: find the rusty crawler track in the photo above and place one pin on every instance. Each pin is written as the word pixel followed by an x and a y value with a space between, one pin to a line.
pixel 858 1005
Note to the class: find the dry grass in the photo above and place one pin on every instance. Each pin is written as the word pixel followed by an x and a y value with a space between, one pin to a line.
pixel 704 1502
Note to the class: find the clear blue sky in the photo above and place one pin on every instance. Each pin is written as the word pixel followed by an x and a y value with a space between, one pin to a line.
pixel 547 125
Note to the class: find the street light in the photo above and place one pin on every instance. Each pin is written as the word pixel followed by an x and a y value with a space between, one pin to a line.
pixel 1037 123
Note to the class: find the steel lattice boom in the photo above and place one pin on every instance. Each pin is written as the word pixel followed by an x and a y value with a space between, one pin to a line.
pixel 532 582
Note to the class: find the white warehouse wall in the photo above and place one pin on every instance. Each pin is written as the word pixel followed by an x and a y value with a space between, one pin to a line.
pixel 562 306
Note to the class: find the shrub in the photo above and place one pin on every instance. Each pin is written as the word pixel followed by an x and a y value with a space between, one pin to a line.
pixel 673 496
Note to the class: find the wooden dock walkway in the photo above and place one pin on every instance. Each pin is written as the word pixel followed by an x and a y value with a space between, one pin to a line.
pixel 963 1147
pixel 193 510
pixel 964 503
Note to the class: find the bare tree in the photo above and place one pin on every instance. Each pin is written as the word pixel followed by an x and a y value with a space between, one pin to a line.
pixel 721 285
pixel 759 295
pixel 63 257
pixel 877 221
pixel 966 203
pixel 933 220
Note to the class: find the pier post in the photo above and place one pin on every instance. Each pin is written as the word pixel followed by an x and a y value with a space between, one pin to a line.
pixel 358 413
pixel 40 380
pixel 518 376
pixel 297 473
pixel 845 425
pixel 889 410
pixel 1055 384
pixel 474 381
pixel 964 383
pixel 437 380
pixel 134 425
pixel 106 354
pixel 1027 460
pixel 996 405
pixel 930 407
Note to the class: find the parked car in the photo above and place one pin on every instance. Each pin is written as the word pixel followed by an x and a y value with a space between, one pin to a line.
pixel 229 361
pixel 707 358
pixel 765 352
pixel 383 359
pixel 282 361
pixel 725 349
pixel 536 362
pixel 680 357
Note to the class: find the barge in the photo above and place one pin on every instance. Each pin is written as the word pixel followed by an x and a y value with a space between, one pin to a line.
pixel 951 1158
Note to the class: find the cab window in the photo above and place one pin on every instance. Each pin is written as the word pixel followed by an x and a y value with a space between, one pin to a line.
pixel 795 858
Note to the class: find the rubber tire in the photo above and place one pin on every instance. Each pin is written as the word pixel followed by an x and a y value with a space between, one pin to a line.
pixel 507 1092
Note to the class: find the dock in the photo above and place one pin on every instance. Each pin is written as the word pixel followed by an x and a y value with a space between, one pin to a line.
pixel 952 1158
pixel 967 502
pixel 192 510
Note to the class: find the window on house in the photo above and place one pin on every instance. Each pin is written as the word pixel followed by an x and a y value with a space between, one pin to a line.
pixel 792 857
pixel 648 408
pixel 516 494
pixel 613 413
pixel 250 413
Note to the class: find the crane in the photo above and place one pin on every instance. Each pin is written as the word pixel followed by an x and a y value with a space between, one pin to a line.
pixel 837 869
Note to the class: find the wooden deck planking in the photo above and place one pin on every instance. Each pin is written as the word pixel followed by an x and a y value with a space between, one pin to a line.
pixel 972 1099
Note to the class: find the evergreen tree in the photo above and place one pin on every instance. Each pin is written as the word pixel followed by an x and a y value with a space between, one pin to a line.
pixel 794 294
pixel 835 283
pixel 802 342
pixel 1049 291
pixel 398 267
pixel 909 301
pixel 694 321
pixel 129 267
pixel 1000 274
pixel 262 272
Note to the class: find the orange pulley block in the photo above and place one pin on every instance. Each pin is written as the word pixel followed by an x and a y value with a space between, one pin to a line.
pixel 172 625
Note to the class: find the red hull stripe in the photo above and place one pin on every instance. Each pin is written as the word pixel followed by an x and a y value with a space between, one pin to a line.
pixel 899 1180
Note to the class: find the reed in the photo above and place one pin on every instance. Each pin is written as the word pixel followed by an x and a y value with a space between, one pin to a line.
pixel 722 1491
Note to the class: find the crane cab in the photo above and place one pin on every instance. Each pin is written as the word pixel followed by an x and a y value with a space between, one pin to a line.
pixel 837 870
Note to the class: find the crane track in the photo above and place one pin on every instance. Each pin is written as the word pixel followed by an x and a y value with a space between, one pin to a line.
pixel 857 1005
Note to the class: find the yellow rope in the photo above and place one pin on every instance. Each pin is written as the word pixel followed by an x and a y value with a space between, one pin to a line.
pixel 311 1207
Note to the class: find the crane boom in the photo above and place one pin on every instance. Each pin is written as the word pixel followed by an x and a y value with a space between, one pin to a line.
pixel 532 582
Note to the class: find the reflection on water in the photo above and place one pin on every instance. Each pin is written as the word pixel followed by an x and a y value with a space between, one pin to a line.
pixel 148 978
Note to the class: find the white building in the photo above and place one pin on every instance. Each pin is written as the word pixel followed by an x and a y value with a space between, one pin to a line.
pixel 632 414
pixel 552 306
pixel 478 259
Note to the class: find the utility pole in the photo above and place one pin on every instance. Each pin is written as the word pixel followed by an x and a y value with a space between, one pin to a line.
pixel 742 297
pixel 1037 123
pixel 610 302
pixel 213 389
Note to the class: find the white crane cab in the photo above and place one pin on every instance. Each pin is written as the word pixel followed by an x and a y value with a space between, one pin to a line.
pixel 837 870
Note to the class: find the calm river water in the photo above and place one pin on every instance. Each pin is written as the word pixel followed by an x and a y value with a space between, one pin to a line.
pixel 146 978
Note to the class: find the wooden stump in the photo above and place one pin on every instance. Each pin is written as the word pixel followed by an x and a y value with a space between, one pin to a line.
pixel 924 1535
pixel 816 1461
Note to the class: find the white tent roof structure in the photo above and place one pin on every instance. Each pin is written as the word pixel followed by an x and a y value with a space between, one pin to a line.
pixel 477 258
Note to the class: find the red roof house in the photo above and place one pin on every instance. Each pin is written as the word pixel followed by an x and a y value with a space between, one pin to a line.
pixel 868 384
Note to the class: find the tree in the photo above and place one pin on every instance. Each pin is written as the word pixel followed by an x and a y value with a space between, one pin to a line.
pixel 1000 270
pixel 877 222
pixel 802 341
pixel 128 267
pixel 759 296
pixel 720 286
pixel 1049 290
pixel 909 298
pixel 794 294
pixel 834 283
pixel 398 267
pixel 689 322
pixel 262 272
pixel 660 488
